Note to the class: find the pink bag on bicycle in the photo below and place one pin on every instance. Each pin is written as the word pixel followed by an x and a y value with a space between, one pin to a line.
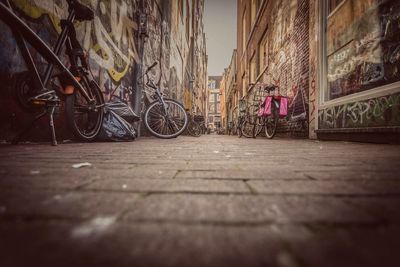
pixel 265 108
pixel 283 107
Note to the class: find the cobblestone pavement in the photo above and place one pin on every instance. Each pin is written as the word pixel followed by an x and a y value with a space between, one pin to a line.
pixel 208 201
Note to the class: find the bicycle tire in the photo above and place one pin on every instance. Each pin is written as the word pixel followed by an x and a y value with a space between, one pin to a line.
pixel 257 127
pixel 160 125
pixel 239 128
pixel 87 126
pixel 194 129
pixel 247 129
pixel 271 122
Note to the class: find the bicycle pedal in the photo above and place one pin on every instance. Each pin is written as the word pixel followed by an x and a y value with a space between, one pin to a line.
pixel 38 102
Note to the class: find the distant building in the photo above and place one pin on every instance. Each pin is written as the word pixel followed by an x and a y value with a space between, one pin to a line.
pixel 214 102
pixel 229 105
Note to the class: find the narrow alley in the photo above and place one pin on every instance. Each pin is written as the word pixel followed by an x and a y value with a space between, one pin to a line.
pixel 209 201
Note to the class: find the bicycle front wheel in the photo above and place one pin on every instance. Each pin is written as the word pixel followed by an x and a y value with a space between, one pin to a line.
pixel 271 123
pixel 239 128
pixel 247 129
pixel 85 119
pixel 166 122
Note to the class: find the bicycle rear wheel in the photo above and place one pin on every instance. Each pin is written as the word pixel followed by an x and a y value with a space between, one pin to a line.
pixel 167 124
pixel 271 122
pixel 85 119
pixel 194 129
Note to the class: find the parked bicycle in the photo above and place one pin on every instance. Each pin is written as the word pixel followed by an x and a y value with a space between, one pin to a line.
pixel 193 128
pixel 74 85
pixel 270 109
pixel 244 125
pixel 164 117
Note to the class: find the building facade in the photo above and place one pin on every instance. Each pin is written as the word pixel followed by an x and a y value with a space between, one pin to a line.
pixel 124 38
pixel 337 61
pixel 214 102
pixel 230 105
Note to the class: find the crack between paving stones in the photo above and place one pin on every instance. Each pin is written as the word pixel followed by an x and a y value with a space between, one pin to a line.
pixel 252 190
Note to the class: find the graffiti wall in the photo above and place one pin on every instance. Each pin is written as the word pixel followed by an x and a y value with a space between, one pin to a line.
pixel 116 50
pixel 288 57
pixel 363 46
pixel 381 111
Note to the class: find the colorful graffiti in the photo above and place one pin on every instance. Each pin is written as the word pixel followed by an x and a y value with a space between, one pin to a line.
pixel 381 111
pixel 289 60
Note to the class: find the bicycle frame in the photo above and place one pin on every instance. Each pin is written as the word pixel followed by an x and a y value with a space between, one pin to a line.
pixel 24 34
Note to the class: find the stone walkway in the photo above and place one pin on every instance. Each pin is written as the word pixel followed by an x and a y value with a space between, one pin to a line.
pixel 208 201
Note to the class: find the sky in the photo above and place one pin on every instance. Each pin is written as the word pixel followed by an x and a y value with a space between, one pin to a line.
pixel 220 28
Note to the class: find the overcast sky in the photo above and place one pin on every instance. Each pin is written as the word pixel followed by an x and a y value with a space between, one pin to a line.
pixel 220 28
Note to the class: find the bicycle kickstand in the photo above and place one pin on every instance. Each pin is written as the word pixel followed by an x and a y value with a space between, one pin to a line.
pixel 51 123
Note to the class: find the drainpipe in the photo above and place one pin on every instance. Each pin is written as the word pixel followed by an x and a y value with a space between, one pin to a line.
pixel 143 34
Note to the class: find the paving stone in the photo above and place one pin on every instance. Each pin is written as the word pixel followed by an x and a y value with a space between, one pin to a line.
pixel 352 175
pixel 309 187
pixel 145 245
pixel 386 208
pixel 245 209
pixel 24 203
pixel 169 185
pixel 357 246
pixel 240 174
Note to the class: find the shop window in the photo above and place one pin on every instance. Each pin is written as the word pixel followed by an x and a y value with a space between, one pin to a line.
pixel 362 45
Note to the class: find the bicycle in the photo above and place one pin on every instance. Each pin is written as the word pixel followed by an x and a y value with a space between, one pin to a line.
pixel 269 119
pixel 82 95
pixel 244 121
pixel 193 128
pixel 164 117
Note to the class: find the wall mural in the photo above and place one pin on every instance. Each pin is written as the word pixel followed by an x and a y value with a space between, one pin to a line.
pixel 363 46
pixel 288 60
pixel 381 111
pixel 109 38
pixel 112 42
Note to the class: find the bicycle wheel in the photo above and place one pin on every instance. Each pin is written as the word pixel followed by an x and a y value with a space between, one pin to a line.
pixel 257 127
pixel 84 119
pixel 194 129
pixel 271 122
pixel 239 128
pixel 247 129
pixel 167 124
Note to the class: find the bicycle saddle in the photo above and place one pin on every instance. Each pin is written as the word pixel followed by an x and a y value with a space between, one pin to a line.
pixel 82 12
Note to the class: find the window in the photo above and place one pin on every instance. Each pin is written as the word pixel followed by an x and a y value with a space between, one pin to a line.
pixel 244 84
pixel 244 31
pixel 263 53
pixel 360 54
pixel 254 8
pixel 253 69
pixel 211 84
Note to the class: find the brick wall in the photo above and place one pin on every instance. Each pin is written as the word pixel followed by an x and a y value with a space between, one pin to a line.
pixel 286 26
